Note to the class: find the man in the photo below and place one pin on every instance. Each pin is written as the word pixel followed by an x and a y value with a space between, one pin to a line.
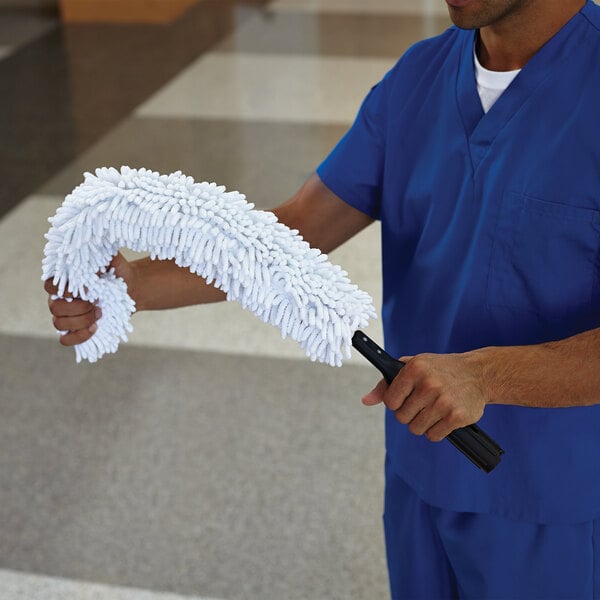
pixel 479 152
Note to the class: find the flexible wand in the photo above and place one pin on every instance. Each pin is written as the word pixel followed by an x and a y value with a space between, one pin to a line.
pixel 472 441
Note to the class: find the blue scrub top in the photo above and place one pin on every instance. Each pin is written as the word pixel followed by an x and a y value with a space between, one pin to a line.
pixel 491 236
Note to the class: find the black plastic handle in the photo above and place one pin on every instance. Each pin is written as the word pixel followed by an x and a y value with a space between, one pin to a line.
pixel 472 441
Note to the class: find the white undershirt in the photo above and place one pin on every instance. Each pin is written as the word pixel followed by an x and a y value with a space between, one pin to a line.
pixel 491 84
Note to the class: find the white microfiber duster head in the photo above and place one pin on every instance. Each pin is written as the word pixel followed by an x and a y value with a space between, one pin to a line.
pixel 247 253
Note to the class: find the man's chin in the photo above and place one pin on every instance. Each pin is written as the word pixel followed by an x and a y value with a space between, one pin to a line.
pixel 463 19
pixel 457 4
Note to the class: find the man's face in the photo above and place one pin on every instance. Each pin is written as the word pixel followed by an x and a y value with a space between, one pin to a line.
pixel 475 14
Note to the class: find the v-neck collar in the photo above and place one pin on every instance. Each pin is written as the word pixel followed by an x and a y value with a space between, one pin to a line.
pixel 482 128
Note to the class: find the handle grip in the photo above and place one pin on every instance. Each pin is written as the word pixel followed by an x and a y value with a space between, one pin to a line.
pixel 471 440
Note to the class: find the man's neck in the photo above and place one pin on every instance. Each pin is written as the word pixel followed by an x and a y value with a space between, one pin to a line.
pixel 510 43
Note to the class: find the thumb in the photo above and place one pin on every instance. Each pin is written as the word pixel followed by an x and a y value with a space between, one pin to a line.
pixel 116 262
pixel 375 396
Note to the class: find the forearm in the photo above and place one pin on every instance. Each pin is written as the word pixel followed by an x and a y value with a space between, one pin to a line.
pixel 322 218
pixel 160 284
pixel 552 375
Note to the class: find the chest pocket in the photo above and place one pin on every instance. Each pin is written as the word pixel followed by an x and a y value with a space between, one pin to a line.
pixel 545 257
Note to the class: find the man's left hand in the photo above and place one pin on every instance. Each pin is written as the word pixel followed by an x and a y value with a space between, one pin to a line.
pixel 434 394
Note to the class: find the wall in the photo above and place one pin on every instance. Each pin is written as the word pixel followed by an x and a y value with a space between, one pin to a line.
pixel 29 4
pixel 124 11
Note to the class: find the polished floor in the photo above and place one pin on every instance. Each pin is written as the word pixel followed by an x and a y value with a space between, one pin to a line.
pixel 207 458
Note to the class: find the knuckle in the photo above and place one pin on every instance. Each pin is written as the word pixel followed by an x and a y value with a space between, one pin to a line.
pixel 399 383
pixel 402 418
pixel 75 337
pixel 414 367
pixel 434 436
pixel 431 387
pixel 65 340
pixel 54 307
pixel 458 414
pixel 415 429
pixel 446 403
pixel 81 336
pixel 454 421
pixel 420 363
pixel 88 318
pixel 391 400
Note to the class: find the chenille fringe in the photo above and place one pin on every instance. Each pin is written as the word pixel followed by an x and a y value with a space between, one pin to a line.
pixel 247 253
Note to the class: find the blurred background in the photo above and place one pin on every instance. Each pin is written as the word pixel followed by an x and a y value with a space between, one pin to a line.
pixel 207 458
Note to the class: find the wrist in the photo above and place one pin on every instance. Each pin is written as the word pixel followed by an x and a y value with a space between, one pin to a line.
pixel 134 281
pixel 489 365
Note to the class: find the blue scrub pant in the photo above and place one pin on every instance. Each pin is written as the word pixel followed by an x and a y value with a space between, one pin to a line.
pixel 436 554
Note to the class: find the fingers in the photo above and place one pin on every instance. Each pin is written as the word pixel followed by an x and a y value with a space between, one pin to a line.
pixel 72 338
pixel 74 318
pixel 78 328
pixel 52 289
pixel 432 394
pixel 439 431
pixel 412 407
pixel 375 396
pixel 435 421
pixel 75 307
pixel 77 321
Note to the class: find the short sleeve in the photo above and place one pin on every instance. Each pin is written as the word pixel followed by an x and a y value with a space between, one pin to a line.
pixel 354 169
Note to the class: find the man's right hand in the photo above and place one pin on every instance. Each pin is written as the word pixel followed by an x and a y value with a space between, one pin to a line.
pixel 75 317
